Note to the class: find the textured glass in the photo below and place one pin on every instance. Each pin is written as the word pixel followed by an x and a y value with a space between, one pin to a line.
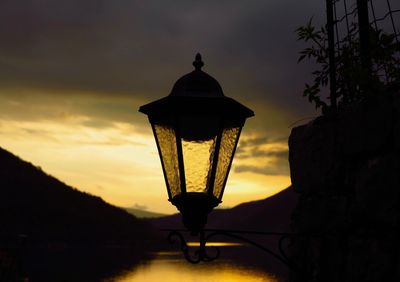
pixel 169 156
pixel 198 156
pixel 228 141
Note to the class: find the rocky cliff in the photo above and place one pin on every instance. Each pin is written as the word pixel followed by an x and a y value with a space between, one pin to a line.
pixel 346 169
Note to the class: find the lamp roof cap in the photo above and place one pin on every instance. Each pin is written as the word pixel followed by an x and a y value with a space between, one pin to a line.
pixel 197 83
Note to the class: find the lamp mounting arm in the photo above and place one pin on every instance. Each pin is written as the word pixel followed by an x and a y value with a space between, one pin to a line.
pixel 202 255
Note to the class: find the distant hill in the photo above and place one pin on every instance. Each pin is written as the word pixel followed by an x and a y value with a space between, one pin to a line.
pixel 270 214
pixel 143 213
pixel 50 231
pixel 42 209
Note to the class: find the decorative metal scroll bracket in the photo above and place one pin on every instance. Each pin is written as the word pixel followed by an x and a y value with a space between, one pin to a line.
pixel 202 255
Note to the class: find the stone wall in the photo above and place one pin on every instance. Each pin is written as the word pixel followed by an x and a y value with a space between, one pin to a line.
pixel 346 169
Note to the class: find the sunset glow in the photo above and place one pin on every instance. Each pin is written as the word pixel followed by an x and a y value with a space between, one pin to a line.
pixel 73 76
pixel 118 163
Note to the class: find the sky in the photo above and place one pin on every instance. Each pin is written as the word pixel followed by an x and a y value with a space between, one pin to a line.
pixel 74 73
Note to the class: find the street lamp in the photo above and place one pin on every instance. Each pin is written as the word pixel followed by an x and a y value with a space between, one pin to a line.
pixel 197 129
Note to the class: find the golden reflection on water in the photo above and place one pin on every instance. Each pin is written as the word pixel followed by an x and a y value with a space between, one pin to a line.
pixel 216 244
pixel 168 267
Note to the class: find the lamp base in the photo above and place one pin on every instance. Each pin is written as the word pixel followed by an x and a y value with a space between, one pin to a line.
pixel 195 208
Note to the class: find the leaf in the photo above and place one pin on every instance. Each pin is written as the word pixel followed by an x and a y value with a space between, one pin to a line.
pixel 301 58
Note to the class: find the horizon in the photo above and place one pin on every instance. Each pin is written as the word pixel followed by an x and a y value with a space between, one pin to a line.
pixel 136 206
pixel 82 166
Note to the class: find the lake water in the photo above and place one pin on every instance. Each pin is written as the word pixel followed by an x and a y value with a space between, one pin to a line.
pixel 237 263
pixel 172 267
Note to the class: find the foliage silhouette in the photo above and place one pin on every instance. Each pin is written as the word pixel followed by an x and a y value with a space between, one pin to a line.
pixel 354 82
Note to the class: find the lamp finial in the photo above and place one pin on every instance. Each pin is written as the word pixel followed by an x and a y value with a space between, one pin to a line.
pixel 198 63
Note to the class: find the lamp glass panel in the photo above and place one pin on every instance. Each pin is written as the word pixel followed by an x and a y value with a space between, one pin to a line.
pixel 199 135
pixel 198 156
pixel 169 156
pixel 228 143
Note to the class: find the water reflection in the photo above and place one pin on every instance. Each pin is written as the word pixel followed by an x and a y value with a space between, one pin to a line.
pixel 171 267
pixel 216 244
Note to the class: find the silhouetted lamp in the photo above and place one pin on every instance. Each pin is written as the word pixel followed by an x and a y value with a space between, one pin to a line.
pixel 196 129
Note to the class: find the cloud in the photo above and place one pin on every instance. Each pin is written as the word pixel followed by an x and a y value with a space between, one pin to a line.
pixel 140 48
pixel 257 152
pixel 101 59
pixel 86 109
pixel 261 140
pixel 140 207
pixel 262 155
pixel 262 146
pixel 264 162
pixel 266 170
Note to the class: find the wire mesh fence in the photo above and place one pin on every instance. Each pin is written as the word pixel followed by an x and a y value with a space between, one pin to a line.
pixel 368 32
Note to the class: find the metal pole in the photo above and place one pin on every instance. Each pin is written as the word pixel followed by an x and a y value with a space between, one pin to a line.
pixel 331 53
pixel 363 23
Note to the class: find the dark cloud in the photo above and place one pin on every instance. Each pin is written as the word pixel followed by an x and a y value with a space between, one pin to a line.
pixel 141 47
pixel 121 54
pixel 271 170
pixel 261 140
pixel 267 161
pixel 263 155
pixel 255 147
pixel 279 154
pixel 138 49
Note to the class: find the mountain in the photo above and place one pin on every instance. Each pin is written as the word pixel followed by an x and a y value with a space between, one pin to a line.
pixel 42 208
pixel 270 214
pixel 47 226
pixel 143 213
